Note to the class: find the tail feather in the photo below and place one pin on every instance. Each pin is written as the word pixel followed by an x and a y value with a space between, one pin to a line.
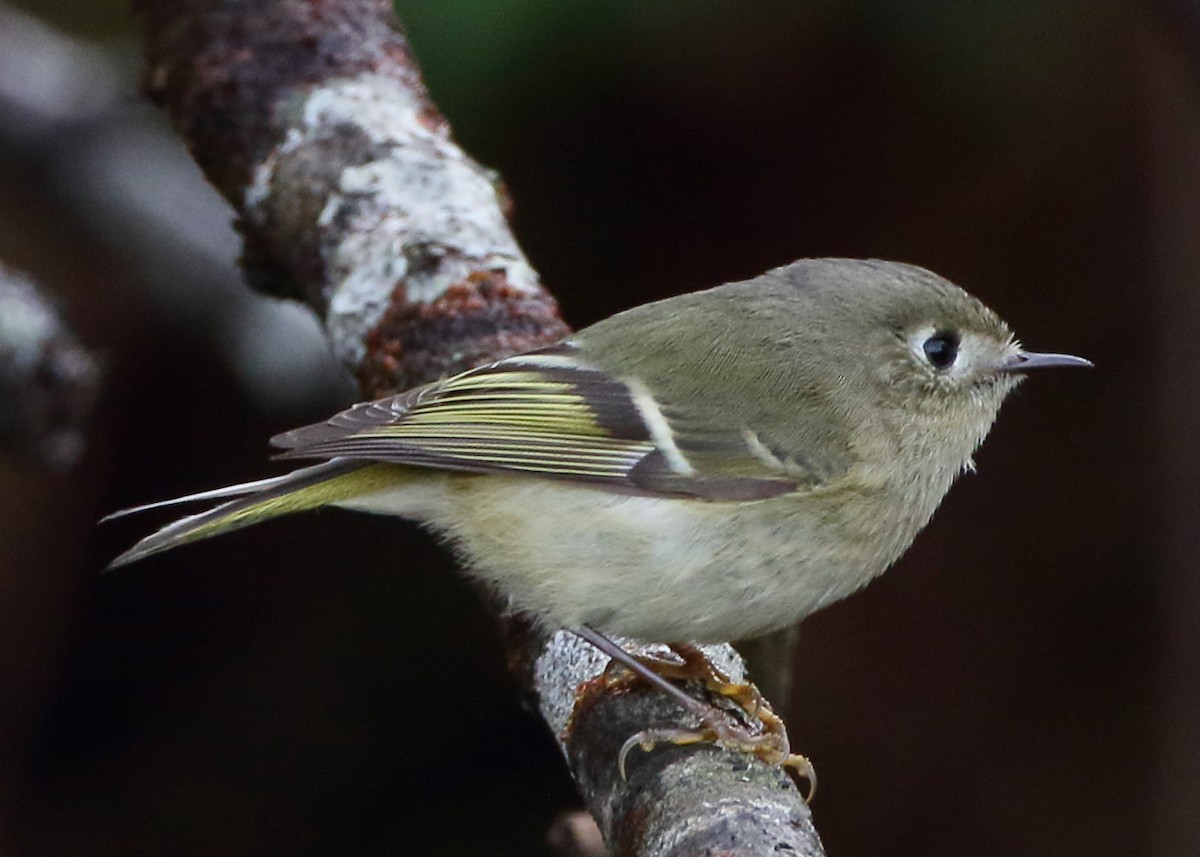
pixel 302 489
pixel 239 490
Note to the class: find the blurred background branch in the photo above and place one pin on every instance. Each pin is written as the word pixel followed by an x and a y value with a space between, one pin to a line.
pixel 48 381
pixel 79 136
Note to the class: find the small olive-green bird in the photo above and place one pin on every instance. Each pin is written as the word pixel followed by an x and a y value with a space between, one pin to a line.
pixel 708 467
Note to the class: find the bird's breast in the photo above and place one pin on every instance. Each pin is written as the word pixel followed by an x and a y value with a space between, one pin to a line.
pixel 668 568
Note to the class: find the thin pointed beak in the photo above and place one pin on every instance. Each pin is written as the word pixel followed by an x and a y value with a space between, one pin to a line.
pixel 1025 360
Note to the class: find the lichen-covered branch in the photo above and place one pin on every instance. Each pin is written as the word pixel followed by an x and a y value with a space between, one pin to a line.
pixel 48 380
pixel 311 118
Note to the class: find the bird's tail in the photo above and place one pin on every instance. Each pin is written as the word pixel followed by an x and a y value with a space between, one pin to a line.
pixel 308 488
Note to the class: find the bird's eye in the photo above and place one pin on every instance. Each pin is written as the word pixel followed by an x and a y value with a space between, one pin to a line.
pixel 941 350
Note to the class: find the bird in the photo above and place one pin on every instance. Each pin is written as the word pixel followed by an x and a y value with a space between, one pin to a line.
pixel 711 466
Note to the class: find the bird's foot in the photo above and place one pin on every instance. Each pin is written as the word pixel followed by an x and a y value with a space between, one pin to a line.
pixel 766 738
pixel 769 745
pixel 697 667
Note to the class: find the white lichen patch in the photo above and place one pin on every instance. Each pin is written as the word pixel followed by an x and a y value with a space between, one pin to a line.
pixel 565 663
pixel 418 210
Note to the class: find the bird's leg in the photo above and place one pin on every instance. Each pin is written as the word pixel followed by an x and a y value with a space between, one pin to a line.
pixel 641 667
pixel 769 742
pixel 697 667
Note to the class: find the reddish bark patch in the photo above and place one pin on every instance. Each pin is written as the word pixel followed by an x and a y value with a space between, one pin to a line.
pixel 476 321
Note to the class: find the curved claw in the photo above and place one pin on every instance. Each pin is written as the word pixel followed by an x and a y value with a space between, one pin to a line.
pixel 648 738
pixel 801 767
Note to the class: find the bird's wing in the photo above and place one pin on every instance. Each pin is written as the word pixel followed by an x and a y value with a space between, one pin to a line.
pixel 552 415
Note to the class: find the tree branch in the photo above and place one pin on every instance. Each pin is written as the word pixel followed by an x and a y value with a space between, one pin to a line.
pixel 310 117
pixel 312 120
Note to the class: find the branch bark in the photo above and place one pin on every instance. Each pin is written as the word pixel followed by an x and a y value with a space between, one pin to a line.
pixel 311 118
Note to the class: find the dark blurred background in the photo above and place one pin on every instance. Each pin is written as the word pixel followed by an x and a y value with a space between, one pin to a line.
pixel 1026 681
